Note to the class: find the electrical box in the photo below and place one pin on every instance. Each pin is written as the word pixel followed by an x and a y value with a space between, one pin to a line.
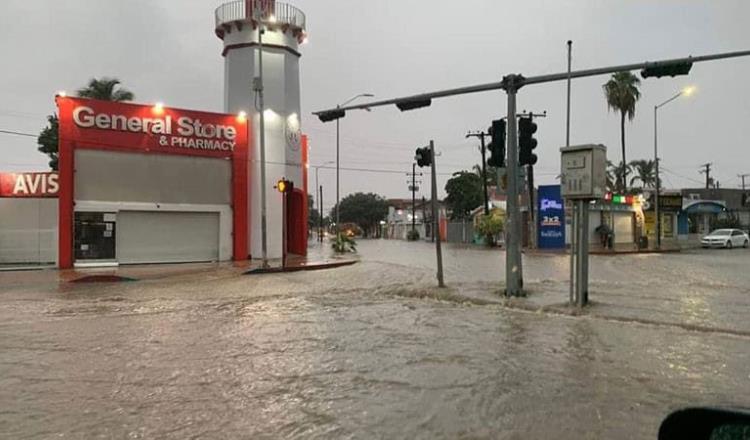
pixel 584 171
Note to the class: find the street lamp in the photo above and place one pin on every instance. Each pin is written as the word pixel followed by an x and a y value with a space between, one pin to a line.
pixel 687 91
pixel 338 163
pixel 320 199
pixel 259 88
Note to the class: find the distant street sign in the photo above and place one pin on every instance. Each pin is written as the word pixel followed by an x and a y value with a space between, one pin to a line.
pixel 413 188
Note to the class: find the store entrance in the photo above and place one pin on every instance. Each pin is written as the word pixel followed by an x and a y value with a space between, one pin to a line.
pixel 95 236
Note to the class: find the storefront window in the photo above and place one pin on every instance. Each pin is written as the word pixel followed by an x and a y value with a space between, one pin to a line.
pixel 94 236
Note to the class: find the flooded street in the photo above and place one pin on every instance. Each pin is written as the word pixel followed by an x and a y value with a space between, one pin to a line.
pixel 375 351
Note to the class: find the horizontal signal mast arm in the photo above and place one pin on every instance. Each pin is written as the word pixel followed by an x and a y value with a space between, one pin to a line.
pixel 519 81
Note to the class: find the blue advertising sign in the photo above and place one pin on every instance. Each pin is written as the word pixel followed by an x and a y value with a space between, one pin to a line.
pixel 551 217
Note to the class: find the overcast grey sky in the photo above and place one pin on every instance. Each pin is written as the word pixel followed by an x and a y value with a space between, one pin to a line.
pixel 166 50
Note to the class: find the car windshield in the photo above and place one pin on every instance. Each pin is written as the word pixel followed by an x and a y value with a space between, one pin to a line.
pixel 720 233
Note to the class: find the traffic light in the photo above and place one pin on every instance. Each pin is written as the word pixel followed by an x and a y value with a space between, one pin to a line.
pixel 526 141
pixel 659 69
pixel 497 144
pixel 331 115
pixel 413 104
pixel 284 186
pixel 423 157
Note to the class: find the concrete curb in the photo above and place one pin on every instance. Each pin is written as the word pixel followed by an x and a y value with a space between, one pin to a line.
pixel 300 268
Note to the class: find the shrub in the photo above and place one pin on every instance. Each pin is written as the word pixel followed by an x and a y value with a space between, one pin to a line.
pixel 343 243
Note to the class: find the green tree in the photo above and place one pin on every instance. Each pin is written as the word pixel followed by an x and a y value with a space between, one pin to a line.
pixel 104 89
pixel 464 194
pixel 48 140
pixel 622 93
pixel 615 177
pixel 365 210
pixel 645 172
pixel 491 226
pixel 491 174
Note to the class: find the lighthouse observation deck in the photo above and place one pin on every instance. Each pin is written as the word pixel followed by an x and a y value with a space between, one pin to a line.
pixel 240 12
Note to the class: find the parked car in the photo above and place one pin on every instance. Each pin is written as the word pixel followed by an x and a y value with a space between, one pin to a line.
pixel 726 238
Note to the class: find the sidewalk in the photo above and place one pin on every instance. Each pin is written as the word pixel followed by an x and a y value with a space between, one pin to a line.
pixel 319 257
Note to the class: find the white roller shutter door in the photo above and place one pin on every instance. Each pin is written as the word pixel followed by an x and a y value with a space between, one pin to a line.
pixel 167 237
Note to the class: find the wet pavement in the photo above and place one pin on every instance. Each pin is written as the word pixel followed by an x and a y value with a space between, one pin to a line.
pixel 374 350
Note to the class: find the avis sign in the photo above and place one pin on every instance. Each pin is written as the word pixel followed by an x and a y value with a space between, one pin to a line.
pixel 21 185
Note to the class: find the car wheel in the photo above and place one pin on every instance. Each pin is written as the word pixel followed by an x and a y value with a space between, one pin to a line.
pixel 729 244
pixel 747 243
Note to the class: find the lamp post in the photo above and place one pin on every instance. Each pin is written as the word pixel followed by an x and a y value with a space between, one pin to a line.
pixel 687 91
pixel 338 162
pixel 259 88
pixel 320 199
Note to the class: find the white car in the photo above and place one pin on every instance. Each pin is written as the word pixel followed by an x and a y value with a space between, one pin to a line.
pixel 726 238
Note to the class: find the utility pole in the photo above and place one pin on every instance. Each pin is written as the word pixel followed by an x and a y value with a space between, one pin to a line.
pixel 424 215
pixel 707 172
pixel 320 216
pixel 413 188
pixel 742 176
pixel 481 135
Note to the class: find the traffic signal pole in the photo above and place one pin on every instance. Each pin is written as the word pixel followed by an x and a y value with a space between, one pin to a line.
pixel 513 263
pixel 511 84
pixel 436 219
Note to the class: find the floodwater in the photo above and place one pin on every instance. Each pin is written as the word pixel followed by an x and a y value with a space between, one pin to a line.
pixel 375 351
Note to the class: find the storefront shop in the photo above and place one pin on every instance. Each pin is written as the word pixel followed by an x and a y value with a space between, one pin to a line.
pixel 670 209
pixel 149 184
pixel 28 218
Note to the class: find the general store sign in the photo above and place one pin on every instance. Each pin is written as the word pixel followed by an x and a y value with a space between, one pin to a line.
pixel 23 185
pixel 104 125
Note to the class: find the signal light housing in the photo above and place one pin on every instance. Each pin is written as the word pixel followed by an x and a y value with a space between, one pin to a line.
pixel 413 104
pixel 526 141
pixel 331 115
pixel 423 157
pixel 284 186
pixel 659 69
pixel 497 144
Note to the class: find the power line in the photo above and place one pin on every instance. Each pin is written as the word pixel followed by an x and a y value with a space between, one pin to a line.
pixel 682 176
pixel 18 133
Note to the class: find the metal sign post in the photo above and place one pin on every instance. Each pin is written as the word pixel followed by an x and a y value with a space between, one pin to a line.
pixel 583 180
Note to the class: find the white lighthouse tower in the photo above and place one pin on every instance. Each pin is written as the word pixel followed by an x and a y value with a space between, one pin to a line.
pixel 239 24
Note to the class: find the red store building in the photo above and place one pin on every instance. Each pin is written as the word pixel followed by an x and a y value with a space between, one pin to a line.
pixel 141 184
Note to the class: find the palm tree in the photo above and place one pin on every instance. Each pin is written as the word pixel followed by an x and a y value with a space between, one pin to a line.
pixel 615 177
pixel 622 93
pixel 645 173
pixel 105 89
pixel 491 174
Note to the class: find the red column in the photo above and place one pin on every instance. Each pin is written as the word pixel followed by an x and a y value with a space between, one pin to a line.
pixel 240 194
pixel 305 169
pixel 66 169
